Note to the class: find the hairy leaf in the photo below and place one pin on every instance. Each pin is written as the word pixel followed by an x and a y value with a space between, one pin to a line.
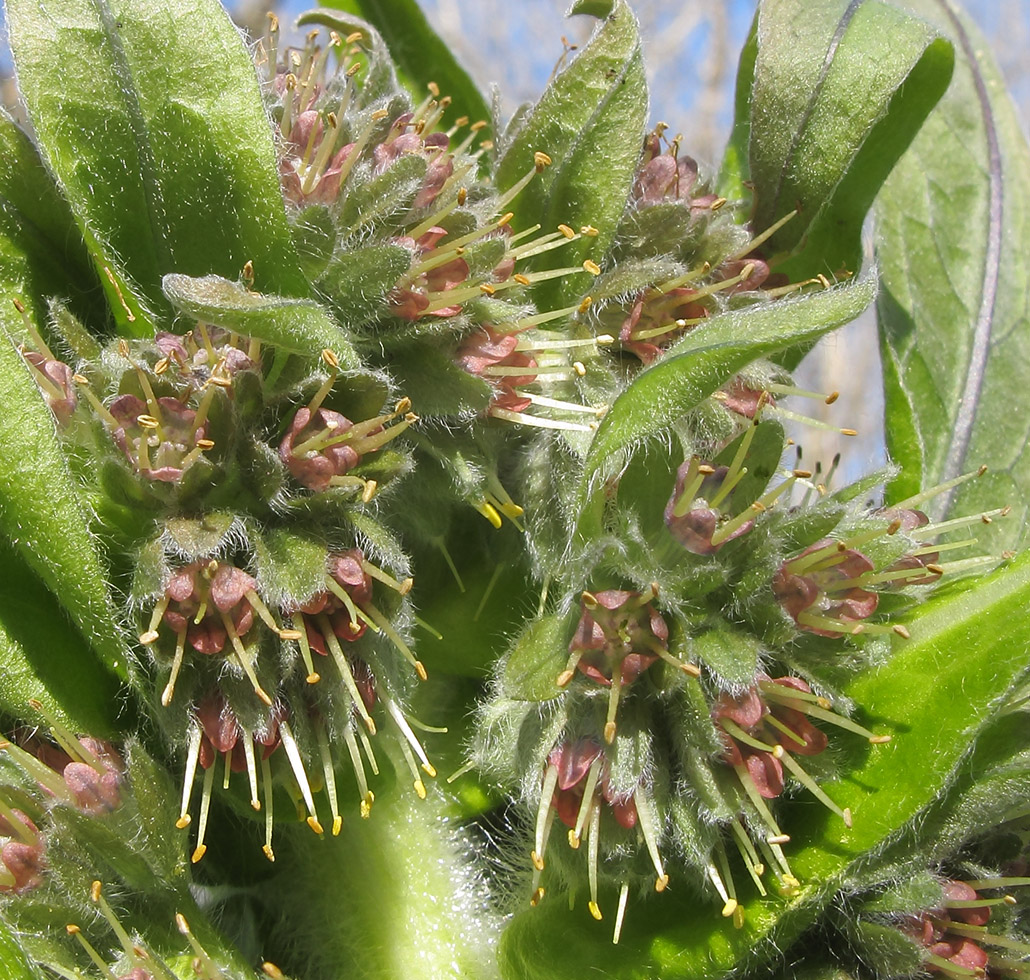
pixel 299 325
pixel 41 509
pixel 839 90
pixel 708 356
pixel 590 121
pixel 158 138
pixel 953 228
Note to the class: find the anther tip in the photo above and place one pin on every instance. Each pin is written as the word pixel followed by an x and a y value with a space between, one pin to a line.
pixel 609 732
pixel 594 910
pixel 880 739
pixel 573 840
pixel 313 823
pixel 255 804
pixel 337 825
pixel 198 853
pixel 72 929
pixel 263 696
pixel 661 883
pixel 183 822
pixel 267 850
pixel 846 815
pixel 537 898
pixel 271 970
pixel 729 908
pixel 149 637
pixel 565 678
pixel 313 678
pixel 538 861
pixel 421 670
pixel 420 789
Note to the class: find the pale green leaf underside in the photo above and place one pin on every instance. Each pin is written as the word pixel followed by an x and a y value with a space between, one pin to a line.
pixel 953 229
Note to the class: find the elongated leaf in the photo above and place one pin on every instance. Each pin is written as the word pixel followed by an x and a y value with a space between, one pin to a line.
pixel 840 88
pixel 735 169
pixel 299 325
pixel 953 230
pixel 590 121
pixel 709 356
pixel 158 137
pixel 16 964
pixel 420 54
pixel 45 658
pixel 41 252
pixel 957 695
pixel 41 511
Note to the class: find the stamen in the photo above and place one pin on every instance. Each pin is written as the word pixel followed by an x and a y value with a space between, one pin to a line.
pixel 359 771
pixel 330 775
pixel 762 238
pixel 779 389
pixel 266 776
pixel 488 591
pixel 402 724
pixel 730 906
pixel 377 573
pixel 387 627
pixel 227 758
pixel 538 422
pixel 252 776
pixel 813 787
pixel 981 933
pixel 545 344
pixel 565 406
pixel 359 145
pixel 540 162
pixel 346 674
pixel 733 729
pixel 98 961
pixel 366 747
pixel 420 787
pixel 30 328
pixel 543 816
pixel 305 650
pixel 442 547
pixel 180 648
pixel 211 972
pixel 192 755
pixel 205 806
pixel 96 894
pixel 586 802
pixel 620 914
pixel 932 530
pixel 760 805
pixel 244 659
pixel 910 502
pixel 613 705
pixel 18 828
pixel 749 855
pixel 645 820
pixel 593 843
pixel 297 765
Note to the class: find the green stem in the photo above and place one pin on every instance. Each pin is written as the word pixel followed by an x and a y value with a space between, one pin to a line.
pixel 393 897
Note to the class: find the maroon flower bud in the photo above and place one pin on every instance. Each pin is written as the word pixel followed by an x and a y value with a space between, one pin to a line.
pixel 55 380
pixel 22 855
pixel 348 573
pixel 309 453
pixel 695 521
pixel 665 178
pixel 618 631
pixel 420 291
pixel 160 446
pixel 744 719
pixel 213 594
pixel 573 761
pixel 487 349
pixel 656 319
pixel 820 589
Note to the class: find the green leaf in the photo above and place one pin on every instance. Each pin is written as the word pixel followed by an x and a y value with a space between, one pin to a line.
pixel 707 357
pixel 158 137
pixel 840 88
pixel 298 325
pixel 734 171
pixel 420 54
pixel 887 788
pixel 41 251
pixel 45 658
pixel 15 962
pixel 953 229
pixel 41 510
pixel 590 121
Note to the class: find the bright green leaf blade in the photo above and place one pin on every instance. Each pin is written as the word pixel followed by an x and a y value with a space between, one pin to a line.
pixel 735 170
pixel 41 510
pixel 41 251
pixel 299 325
pixel 887 790
pixel 420 54
pixel 840 88
pixel 709 356
pixel 15 962
pixel 953 229
pixel 46 659
pixel 598 98
pixel 159 139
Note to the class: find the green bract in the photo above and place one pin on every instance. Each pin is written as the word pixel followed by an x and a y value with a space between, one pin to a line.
pixel 407 568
